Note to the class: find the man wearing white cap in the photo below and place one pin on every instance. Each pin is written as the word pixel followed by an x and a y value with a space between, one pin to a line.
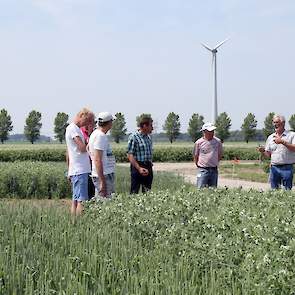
pixel 103 161
pixel 207 154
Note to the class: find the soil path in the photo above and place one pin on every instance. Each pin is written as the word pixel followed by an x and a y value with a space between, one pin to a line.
pixel 188 171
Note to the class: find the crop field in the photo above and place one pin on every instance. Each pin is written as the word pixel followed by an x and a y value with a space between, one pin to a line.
pixel 174 240
pixel 28 146
pixel 47 180
pixel 179 241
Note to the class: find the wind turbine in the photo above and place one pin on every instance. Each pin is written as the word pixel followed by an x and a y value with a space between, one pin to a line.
pixel 214 71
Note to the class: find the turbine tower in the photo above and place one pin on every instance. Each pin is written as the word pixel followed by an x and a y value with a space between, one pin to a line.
pixel 214 71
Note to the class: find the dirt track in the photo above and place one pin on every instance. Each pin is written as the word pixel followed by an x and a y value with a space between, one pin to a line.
pixel 189 171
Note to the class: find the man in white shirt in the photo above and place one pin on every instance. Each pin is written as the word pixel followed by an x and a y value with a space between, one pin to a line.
pixel 103 161
pixel 280 147
pixel 78 159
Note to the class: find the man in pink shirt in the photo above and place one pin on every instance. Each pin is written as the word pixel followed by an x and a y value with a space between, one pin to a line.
pixel 207 154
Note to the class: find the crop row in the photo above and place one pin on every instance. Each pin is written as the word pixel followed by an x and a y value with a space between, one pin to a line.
pixel 161 154
pixel 47 180
pixel 185 242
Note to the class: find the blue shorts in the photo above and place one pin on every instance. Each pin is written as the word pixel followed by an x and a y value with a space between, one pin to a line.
pixel 207 177
pixel 80 187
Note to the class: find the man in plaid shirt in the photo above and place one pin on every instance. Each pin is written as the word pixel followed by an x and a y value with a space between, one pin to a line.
pixel 139 154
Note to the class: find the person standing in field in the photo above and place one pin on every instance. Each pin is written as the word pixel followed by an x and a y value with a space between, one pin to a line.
pixel 280 147
pixel 86 131
pixel 207 154
pixel 78 159
pixel 139 153
pixel 103 160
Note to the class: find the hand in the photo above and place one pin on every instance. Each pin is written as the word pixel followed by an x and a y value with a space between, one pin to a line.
pixel 143 171
pixel 102 189
pixel 278 140
pixel 261 149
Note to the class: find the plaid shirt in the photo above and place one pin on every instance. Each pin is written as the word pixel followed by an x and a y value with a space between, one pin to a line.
pixel 140 146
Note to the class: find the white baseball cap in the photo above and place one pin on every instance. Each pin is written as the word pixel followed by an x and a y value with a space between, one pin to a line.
pixel 105 117
pixel 208 126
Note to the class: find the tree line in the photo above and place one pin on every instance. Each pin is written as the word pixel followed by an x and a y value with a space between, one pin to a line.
pixel 171 126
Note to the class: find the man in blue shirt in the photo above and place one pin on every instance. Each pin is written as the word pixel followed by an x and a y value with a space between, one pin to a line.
pixel 139 153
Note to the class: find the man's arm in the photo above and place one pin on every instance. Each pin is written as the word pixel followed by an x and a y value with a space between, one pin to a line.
pixel 80 144
pixel 288 145
pixel 220 152
pixel 99 168
pixel 196 154
pixel 196 159
pixel 134 163
pixel 67 159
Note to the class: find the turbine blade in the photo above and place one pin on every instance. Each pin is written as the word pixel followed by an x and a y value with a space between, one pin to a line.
pixel 219 44
pixel 207 47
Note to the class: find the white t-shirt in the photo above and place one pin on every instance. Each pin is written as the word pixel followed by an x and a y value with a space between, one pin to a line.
pixel 79 162
pixel 99 141
pixel 279 153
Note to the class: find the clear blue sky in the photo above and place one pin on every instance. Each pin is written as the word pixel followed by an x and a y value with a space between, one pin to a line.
pixel 139 56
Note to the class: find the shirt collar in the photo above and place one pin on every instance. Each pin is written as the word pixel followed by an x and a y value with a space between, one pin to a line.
pixel 142 134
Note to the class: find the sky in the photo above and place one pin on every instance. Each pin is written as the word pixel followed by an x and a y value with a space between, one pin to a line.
pixel 139 56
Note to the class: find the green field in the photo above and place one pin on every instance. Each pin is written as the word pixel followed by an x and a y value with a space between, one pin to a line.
pixel 173 240
pixel 179 241
pixel 22 145
pixel 47 180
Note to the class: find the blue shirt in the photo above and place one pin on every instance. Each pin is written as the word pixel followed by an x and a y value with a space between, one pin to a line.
pixel 140 146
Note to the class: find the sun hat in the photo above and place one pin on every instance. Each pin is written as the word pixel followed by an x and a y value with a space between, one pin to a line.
pixel 208 126
pixel 105 117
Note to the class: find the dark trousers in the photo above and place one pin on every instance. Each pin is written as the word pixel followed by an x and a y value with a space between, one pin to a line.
pixel 138 180
pixel 91 188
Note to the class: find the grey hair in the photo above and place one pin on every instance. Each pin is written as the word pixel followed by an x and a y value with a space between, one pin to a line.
pixel 281 118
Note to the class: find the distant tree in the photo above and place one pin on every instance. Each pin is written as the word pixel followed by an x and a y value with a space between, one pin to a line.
pixel 60 125
pixel 172 126
pixel 249 127
pixel 5 125
pixel 33 126
pixel 292 122
pixel 268 126
pixel 119 129
pixel 223 123
pixel 194 126
pixel 143 115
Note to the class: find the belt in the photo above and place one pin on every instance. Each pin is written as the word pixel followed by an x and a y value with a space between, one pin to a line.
pixel 144 162
pixel 281 165
pixel 208 168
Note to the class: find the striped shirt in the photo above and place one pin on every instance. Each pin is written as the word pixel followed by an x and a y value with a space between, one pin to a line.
pixel 140 146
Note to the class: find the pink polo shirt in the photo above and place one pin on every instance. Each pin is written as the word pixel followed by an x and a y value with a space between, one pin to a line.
pixel 208 152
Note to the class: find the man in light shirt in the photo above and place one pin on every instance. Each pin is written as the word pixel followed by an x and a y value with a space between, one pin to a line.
pixel 280 147
pixel 78 159
pixel 207 154
pixel 103 160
